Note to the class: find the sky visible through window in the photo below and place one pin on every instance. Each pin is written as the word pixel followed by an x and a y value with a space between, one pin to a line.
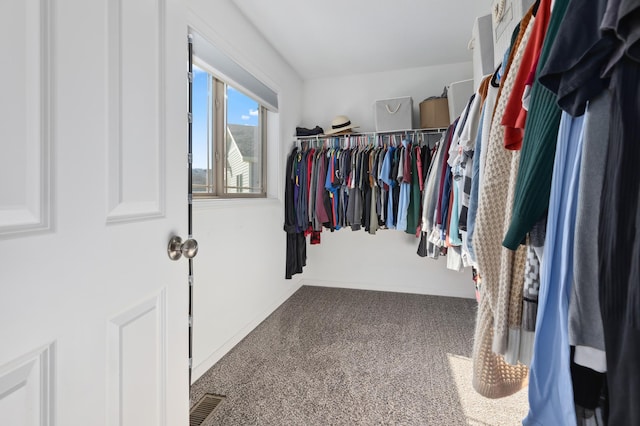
pixel 240 110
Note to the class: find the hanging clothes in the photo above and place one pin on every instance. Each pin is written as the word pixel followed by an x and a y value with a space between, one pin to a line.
pixel 479 160
pixel 533 185
pixel 541 193
pixel 551 395
pixel 430 199
pixel 585 320
pixel 415 200
pixel 619 230
pixel 296 253
pixel 404 181
pixel 492 375
pixel 334 187
pixel 387 165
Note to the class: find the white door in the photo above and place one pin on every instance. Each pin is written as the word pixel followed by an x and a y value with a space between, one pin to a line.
pixel 93 182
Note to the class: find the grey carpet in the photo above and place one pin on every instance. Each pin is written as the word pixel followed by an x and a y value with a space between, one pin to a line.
pixel 352 357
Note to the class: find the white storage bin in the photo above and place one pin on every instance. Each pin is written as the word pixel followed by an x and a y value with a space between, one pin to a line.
pixel 458 94
pixel 482 45
pixel 394 114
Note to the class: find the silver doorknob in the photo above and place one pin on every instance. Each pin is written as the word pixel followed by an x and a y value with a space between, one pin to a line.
pixel 177 248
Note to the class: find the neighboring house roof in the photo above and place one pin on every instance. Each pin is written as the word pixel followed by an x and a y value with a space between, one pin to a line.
pixel 245 138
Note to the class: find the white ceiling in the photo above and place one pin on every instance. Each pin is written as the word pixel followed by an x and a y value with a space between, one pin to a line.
pixel 328 38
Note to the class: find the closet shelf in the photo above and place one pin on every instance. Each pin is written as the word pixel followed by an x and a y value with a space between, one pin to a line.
pixel 434 130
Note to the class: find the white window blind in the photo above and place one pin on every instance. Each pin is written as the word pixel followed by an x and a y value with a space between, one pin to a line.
pixel 233 73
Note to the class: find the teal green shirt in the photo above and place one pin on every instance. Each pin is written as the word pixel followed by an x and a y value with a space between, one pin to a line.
pixel 533 185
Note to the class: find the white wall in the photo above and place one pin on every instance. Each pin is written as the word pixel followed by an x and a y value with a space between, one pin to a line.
pixel 355 95
pixel 388 260
pixel 239 271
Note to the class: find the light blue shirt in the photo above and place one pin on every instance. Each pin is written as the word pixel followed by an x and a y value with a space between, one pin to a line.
pixel 473 196
pixel 384 175
pixel 550 386
pixel 454 232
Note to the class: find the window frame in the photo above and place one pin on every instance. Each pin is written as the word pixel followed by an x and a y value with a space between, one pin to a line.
pixel 216 133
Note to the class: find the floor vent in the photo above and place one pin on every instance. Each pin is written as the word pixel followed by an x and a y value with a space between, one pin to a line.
pixel 203 409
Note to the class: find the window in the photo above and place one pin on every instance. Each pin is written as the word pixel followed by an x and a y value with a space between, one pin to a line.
pixel 229 139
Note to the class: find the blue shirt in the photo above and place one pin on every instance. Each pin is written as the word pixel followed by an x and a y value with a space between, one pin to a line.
pixel 550 385
pixel 473 196
pixel 385 177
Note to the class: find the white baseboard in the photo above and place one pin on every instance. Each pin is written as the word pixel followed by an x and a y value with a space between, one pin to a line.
pixel 440 289
pixel 210 361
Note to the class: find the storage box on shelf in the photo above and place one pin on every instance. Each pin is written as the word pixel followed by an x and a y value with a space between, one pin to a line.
pixel 482 46
pixel 459 94
pixel 434 113
pixel 394 114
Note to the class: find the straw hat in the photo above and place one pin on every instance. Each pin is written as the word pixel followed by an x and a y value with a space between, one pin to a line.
pixel 340 124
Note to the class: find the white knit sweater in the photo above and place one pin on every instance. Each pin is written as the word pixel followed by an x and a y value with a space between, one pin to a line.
pixel 493 377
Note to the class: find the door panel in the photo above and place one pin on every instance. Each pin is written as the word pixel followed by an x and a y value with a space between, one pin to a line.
pixel 93 314
pixel 26 389
pixel 136 108
pixel 137 360
pixel 24 112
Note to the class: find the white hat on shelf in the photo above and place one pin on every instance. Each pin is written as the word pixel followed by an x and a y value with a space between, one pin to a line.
pixel 340 124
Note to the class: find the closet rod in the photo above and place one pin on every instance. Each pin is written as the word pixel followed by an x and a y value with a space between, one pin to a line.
pixel 434 130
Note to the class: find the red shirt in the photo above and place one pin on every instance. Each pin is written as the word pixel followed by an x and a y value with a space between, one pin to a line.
pixel 514 115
